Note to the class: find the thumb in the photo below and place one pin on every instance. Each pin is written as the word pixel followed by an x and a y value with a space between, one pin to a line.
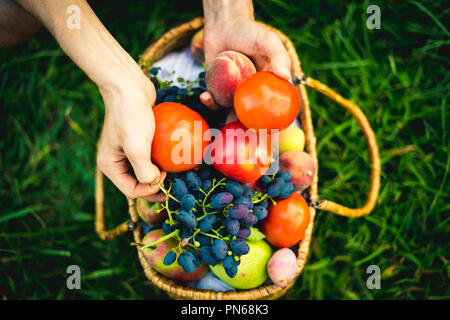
pixel 277 56
pixel 144 169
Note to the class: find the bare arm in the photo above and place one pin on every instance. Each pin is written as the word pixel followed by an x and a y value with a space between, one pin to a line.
pixel 127 93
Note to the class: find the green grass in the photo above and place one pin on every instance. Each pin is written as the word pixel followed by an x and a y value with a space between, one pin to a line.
pixel 51 115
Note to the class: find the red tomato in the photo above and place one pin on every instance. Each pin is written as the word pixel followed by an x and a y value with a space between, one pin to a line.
pixel 180 137
pixel 265 101
pixel 240 153
pixel 286 221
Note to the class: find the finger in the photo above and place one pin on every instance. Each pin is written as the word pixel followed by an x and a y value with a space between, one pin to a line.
pixel 130 187
pixel 144 169
pixel 207 99
pixel 274 57
pixel 158 197
pixel 231 117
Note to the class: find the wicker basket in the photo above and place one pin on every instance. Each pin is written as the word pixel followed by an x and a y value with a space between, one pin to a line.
pixel 179 37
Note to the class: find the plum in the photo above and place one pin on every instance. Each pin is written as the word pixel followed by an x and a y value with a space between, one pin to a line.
pixel 282 267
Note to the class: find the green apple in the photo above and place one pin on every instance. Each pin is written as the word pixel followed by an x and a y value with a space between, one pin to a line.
pixel 252 271
pixel 292 138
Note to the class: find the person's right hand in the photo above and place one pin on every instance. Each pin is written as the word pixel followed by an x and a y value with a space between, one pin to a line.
pixel 127 137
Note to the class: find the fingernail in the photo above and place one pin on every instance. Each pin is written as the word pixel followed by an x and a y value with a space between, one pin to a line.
pixel 284 73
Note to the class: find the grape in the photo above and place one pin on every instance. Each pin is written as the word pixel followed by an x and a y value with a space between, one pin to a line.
pixel 244 201
pixel 169 258
pixel 232 225
pixel 193 181
pixel 239 247
pixel 264 181
pixel 179 188
pixel 207 222
pixel 206 174
pixel 173 205
pixel 275 187
pixel 203 240
pixel 248 193
pixel 182 93
pixel 221 200
pixel 202 83
pixel 230 266
pixel 187 202
pixel 234 187
pixel 238 211
pixel 202 75
pixel 260 212
pixel 154 71
pixel 219 249
pixel 170 98
pixel 167 228
pixel 197 260
pixel 155 82
pixel 206 185
pixel 263 203
pixel 187 219
pixel 187 261
pixel 243 233
pixel 174 90
pixel 237 259
pixel 285 175
pixel 207 256
pixel 161 94
pixel 187 233
pixel 287 190
pixel 248 221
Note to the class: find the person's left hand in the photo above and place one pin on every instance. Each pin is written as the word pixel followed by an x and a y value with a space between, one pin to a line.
pixel 248 37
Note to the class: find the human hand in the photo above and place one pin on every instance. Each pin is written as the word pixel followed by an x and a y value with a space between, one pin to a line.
pixel 231 26
pixel 127 137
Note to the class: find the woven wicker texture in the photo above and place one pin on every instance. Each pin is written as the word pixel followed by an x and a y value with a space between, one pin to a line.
pixel 179 37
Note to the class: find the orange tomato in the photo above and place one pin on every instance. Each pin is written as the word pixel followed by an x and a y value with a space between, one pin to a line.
pixel 286 221
pixel 265 101
pixel 180 137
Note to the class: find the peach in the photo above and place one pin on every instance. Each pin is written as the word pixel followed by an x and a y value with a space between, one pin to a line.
pixel 155 256
pixel 225 73
pixel 147 212
pixel 301 166
pixel 197 49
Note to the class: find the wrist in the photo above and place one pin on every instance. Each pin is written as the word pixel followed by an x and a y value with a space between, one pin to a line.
pixel 219 12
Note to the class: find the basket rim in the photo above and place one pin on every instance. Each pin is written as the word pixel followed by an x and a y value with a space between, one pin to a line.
pixel 165 44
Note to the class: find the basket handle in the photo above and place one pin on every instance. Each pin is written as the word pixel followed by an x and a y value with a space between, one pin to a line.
pixel 100 225
pixel 372 147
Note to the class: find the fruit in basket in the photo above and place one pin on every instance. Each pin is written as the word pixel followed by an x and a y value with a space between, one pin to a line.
pixel 265 101
pixel 241 154
pixel 181 136
pixel 147 211
pixel 301 167
pixel 291 138
pixel 197 48
pixel 286 221
pixel 282 267
pixel 225 73
pixel 251 271
pixel 160 253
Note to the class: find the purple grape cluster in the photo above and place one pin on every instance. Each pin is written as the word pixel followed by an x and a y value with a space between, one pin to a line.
pixel 212 216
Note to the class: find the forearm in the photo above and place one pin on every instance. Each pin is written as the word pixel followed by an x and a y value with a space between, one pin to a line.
pixel 220 11
pixel 91 46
